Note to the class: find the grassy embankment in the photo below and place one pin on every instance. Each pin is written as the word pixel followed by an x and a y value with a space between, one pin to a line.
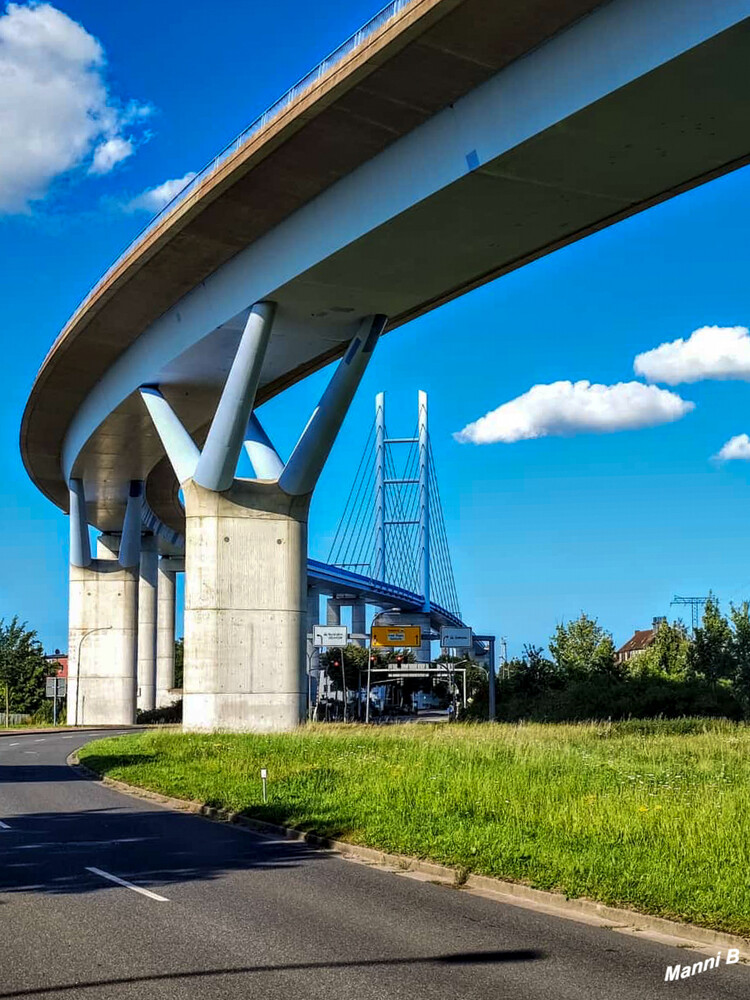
pixel 650 815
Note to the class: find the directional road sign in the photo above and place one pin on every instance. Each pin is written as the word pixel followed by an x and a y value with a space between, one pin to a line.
pixel 455 638
pixel 56 687
pixel 330 635
pixel 409 636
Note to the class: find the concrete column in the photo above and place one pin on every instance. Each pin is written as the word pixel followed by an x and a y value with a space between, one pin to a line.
pixel 80 547
pixel 245 607
pixel 147 598
pixel 333 612
pixel 218 461
pixel 102 644
pixel 264 458
pixel 165 634
pixel 313 653
pixel 359 620
pixel 313 609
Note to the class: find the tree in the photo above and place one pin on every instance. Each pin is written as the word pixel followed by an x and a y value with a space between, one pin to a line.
pixel 741 654
pixel 355 663
pixel 711 652
pixel 22 667
pixel 533 672
pixel 667 656
pixel 582 648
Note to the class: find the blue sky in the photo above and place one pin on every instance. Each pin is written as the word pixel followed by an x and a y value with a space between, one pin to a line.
pixel 614 523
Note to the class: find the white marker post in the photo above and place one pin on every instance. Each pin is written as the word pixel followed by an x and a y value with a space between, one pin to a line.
pixel 263 776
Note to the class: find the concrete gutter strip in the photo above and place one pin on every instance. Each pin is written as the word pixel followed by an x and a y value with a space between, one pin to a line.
pixel 614 918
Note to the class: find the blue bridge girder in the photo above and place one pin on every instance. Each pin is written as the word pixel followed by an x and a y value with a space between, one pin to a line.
pixel 334 580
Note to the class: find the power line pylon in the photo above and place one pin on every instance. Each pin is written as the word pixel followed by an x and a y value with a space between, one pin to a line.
pixel 696 605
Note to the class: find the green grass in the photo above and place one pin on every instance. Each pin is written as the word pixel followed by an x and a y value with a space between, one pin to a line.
pixel 649 815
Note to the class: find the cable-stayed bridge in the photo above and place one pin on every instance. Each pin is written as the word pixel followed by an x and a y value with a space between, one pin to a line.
pixel 390 549
pixel 393 527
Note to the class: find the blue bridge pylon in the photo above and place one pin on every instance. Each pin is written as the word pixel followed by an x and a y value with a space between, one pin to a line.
pixel 393 529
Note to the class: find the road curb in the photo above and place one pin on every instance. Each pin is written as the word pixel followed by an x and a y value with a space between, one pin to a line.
pixel 587 910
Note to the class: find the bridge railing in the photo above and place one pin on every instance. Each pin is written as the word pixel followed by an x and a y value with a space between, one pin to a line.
pixel 307 81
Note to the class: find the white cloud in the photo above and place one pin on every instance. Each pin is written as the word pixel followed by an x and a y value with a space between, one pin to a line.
pixel 737 447
pixel 110 153
pixel 155 198
pixel 561 409
pixel 712 352
pixel 56 113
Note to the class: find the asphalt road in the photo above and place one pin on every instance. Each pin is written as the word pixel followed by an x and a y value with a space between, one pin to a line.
pixel 232 914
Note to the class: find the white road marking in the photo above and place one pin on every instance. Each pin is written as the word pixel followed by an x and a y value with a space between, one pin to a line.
pixel 67 737
pixel 128 885
pixel 39 741
pixel 14 744
pixel 82 843
pixel 34 752
pixel 4 826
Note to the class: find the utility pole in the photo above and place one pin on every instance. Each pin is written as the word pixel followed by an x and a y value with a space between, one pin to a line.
pixel 503 657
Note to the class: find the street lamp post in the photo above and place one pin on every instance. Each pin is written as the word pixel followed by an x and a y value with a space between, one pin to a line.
pixel 103 628
pixel 369 664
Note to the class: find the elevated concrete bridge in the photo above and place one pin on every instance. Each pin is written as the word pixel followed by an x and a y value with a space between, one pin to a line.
pixel 447 143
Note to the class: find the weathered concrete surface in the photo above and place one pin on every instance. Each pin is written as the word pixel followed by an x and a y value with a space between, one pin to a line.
pixel 147 600
pixel 245 608
pixel 165 634
pixel 102 644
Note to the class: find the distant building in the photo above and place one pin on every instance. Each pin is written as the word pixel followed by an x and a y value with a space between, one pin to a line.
pixel 639 642
pixel 58 663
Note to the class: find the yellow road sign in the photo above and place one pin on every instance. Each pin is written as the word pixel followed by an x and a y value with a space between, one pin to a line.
pixel 396 635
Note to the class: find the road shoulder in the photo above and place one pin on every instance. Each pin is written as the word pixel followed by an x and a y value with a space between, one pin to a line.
pixel 624 921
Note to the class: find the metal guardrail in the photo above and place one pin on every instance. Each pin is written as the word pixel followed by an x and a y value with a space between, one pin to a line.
pixel 337 56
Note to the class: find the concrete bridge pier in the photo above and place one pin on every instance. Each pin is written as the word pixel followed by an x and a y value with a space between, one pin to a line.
pixel 333 611
pixel 313 618
pixel 147 627
pixel 245 607
pixel 103 618
pixel 165 628
pixel 359 615
pixel 246 595
pixel 359 621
